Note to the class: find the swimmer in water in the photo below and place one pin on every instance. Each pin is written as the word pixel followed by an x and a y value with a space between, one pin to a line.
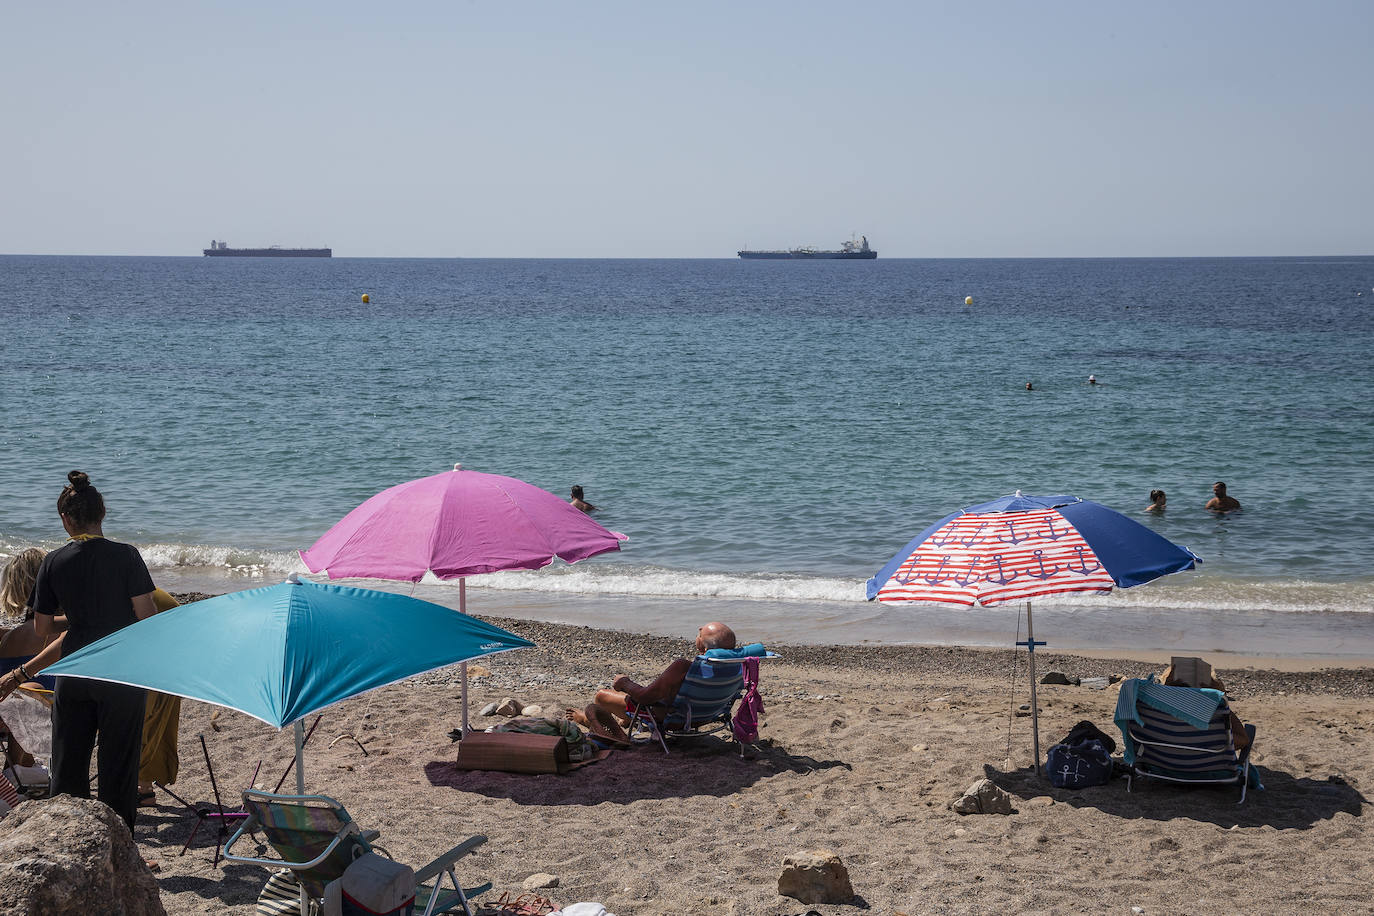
pixel 1156 505
pixel 578 502
pixel 1220 502
pixel 1092 380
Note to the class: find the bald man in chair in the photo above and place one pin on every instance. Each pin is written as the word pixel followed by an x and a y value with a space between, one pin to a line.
pixel 608 716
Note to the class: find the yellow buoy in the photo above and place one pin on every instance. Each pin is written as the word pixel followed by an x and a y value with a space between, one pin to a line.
pixel 366 297
pixel 968 300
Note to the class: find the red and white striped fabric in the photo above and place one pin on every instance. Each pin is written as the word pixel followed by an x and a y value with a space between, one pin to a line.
pixel 998 558
pixel 8 795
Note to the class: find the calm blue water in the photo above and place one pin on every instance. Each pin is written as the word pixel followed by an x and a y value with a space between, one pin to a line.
pixel 763 431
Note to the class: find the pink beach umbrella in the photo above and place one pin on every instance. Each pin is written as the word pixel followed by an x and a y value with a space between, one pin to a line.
pixel 455 524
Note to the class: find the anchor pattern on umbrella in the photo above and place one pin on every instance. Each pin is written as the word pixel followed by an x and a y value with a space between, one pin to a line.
pixel 995 559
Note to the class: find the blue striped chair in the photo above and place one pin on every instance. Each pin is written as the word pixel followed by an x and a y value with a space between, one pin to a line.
pixel 702 706
pixel 1173 750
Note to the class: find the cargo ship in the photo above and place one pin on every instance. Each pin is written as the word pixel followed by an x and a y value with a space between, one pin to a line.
pixel 849 251
pixel 220 249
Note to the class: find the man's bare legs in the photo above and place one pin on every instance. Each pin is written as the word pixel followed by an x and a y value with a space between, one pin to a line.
pixel 600 723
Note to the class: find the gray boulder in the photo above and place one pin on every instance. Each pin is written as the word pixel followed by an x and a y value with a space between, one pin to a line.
pixel 65 856
pixel 983 797
pixel 815 877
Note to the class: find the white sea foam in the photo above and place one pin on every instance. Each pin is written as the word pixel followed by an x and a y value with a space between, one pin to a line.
pixel 1192 592
pixel 219 566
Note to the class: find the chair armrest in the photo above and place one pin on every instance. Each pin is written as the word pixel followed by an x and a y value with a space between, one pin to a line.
pixel 371 835
pixel 251 860
pixel 444 861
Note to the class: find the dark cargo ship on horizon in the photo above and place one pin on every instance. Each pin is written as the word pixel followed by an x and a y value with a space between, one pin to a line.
pixel 849 251
pixel 220 249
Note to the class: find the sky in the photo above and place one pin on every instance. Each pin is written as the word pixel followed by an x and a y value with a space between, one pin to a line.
pixel 607 129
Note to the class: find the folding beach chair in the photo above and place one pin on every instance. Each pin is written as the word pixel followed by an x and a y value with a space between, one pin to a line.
pixel 703 704
pixel 316 839
pixel 26 717
pixel 1181 735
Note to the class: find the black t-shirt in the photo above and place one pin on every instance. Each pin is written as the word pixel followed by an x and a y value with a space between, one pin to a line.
pixel 91 582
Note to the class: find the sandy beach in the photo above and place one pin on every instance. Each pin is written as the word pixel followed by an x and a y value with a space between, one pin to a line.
pixel 863 748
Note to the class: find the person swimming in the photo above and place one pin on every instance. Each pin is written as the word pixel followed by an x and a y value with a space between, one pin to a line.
pixel 579 501
pixel 1220 502
pixel 1157 499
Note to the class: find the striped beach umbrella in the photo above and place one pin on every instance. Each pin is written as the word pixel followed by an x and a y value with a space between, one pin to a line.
pixel 1022 547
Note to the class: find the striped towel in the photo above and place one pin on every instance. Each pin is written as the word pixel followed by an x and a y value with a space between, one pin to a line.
pixel 280 896
pixel 1195 707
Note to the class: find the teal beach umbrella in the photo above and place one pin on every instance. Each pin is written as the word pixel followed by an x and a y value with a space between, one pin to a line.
pixel 285 651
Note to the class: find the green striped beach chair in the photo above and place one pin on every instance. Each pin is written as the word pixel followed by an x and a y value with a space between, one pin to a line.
pixel 1180 735
pixel 316 839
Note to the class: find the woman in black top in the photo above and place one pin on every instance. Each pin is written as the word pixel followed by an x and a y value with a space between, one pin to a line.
pixel 100 586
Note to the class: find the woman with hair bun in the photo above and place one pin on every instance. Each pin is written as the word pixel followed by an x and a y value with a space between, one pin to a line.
pixel 100 586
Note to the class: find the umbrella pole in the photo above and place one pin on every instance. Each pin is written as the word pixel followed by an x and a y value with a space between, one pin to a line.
pixel 463 666
pixel 300 756
pixel 1030 645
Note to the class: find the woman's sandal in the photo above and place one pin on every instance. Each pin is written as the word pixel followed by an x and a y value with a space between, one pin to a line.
pixel 525 905
pixel 147 799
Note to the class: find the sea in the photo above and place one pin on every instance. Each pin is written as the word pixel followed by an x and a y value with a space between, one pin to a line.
pixel 767 433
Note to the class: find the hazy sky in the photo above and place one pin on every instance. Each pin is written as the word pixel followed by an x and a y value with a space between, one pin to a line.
pixel 595 129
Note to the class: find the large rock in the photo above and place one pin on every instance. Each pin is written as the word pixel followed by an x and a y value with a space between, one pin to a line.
pixel 815 877
pixel 65 856
pixel 983 797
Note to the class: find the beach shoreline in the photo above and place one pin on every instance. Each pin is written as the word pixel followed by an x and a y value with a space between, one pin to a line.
pixel 862 749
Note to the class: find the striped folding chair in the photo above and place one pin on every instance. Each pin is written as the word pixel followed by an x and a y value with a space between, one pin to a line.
pixel 702 706
pixel 1168 748
pixel 316 839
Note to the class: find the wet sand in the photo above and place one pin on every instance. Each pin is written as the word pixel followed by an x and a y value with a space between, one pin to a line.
pixel 863 747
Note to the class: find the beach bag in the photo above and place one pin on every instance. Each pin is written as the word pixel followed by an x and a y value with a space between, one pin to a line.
pixel 1086 762
pixel 513 752
pixel 372 886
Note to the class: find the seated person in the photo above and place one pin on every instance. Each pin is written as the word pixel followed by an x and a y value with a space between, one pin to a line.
pixel 608 716
pixel 1194 672
pixel 22 643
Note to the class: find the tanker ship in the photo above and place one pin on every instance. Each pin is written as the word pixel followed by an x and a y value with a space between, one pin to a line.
pixel 219 249
pixel 849 251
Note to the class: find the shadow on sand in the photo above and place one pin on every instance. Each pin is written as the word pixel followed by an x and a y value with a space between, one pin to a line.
pixel 706 768
pixel 1285 803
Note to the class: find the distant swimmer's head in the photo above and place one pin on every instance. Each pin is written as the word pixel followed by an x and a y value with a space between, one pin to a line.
pixel 1092 380
pixel 1219 488
pixel 577 493
pixel 1157 496
pixel 1029 387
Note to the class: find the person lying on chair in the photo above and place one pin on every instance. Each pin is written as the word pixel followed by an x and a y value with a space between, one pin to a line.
pixel 608 716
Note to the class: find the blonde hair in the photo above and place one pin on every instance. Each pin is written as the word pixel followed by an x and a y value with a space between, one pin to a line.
pixel 21 572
